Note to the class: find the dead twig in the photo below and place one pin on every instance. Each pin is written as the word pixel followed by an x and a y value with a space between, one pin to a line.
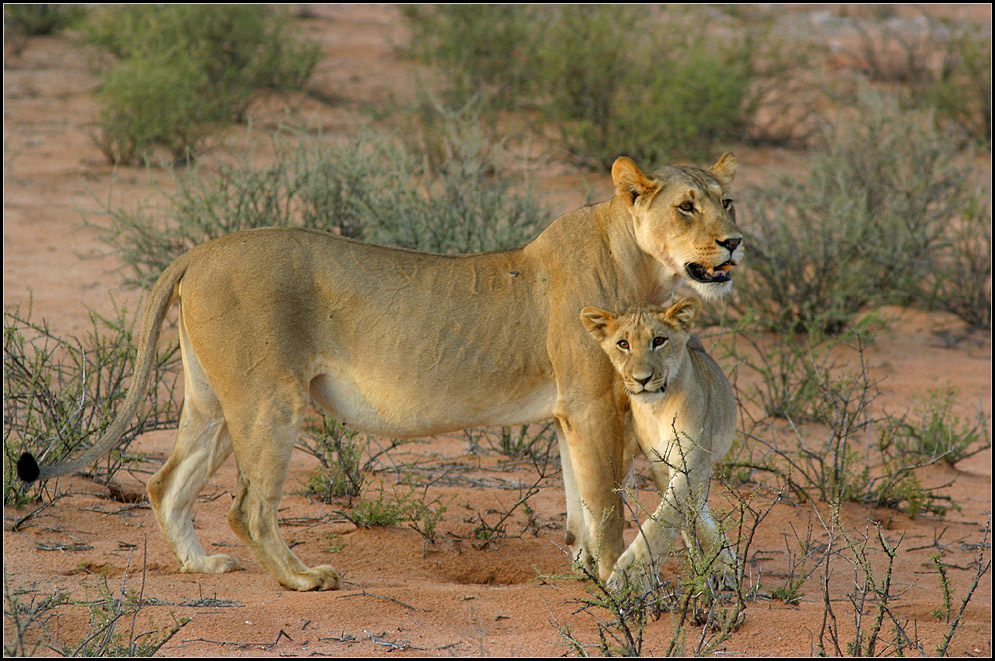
pixel 364 593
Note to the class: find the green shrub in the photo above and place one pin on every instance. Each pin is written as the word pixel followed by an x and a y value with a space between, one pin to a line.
pixel 867 227
pixel 652 94
pixel 371 188
pixel 962 93
pixel 483 50
pixel 392 509
pixel 184 70
pixel 341 457
pixel 147 102
pixel 60 393
pixel 615 79
pixel 960 281
pixel 21 21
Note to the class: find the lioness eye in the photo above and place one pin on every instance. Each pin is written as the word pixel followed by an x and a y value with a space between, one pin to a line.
pixel 686 206
pixel 659 341
pixel 622 344
pixel 727 204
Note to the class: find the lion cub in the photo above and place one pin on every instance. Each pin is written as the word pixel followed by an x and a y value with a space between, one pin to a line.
pixel 684 415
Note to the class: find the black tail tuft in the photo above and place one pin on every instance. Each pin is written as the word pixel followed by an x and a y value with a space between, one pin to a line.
pixel 27 468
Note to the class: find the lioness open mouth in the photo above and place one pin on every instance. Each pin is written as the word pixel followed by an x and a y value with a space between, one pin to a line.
pixel 709 275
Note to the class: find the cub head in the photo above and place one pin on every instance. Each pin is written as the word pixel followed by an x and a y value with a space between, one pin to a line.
pixel 684 217
pixel 646 343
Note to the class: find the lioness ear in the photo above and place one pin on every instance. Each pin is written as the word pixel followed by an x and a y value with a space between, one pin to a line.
pixel 630 182
pixel 597 322
pixel 683 312
pixel 724 169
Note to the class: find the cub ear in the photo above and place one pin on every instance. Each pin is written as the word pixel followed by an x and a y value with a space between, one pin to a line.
pixel 630 182
pixel 599 323
pixel 724 169
pixel 683 313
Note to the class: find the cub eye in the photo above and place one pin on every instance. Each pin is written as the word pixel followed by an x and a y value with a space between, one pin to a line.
pixel 726 204
pixel 686 206
pixel 659 341
pixel 622 344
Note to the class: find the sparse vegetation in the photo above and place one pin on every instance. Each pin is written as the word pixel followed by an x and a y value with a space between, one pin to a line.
pixel 184 71
pixel 888 208
pixel 391 509
pixel 105 636
pixel 112 629
pixel 868 225
pixel 961 280
pixel 933 433
pixel 703 612
pixel 878 627
pixel 28 619
pixel 660 86
pixel 962 93
pixel 340 451
pixel 939 64
pixel 369 188
pixel 21 21
pixel 61 392
pixel 822 432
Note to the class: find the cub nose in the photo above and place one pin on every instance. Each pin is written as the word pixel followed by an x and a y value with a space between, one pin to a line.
pixel 730 244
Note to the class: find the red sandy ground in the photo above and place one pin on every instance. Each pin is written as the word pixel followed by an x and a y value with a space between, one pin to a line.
pixel 401 596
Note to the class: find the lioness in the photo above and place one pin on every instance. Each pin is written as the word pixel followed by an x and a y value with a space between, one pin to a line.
pixel 684 418
pixel 403 343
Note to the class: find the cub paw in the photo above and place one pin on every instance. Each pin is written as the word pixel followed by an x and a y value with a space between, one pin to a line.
pixel 636 578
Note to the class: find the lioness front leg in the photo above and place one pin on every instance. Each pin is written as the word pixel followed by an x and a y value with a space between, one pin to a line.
pixel 598 465
pixel 576 530
pixel 263 442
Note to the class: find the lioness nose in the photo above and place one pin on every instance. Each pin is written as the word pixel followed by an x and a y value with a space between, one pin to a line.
pixel 643 382
pixel 730 244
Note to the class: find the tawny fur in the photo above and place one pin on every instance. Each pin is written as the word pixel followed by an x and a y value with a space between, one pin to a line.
pixel 403 343
pixel 684 420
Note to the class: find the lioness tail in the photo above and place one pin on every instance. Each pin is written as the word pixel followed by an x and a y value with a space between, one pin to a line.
pixel 160 298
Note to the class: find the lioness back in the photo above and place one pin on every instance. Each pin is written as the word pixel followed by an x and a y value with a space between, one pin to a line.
pixel 373 329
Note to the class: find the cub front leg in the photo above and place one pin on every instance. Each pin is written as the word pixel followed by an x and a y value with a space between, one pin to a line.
pixel 683 508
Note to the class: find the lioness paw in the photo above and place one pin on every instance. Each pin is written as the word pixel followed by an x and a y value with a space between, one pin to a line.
pixel 212 564
pixel 323 577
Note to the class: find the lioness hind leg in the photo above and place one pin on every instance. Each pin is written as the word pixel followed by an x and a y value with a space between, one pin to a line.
pixel 202 446
pixel 263 441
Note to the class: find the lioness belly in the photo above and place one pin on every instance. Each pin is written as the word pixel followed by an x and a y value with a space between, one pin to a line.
pixel 390 409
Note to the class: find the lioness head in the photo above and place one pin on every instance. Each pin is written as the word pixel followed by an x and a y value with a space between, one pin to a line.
pixel 646 343
pixel 684 218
